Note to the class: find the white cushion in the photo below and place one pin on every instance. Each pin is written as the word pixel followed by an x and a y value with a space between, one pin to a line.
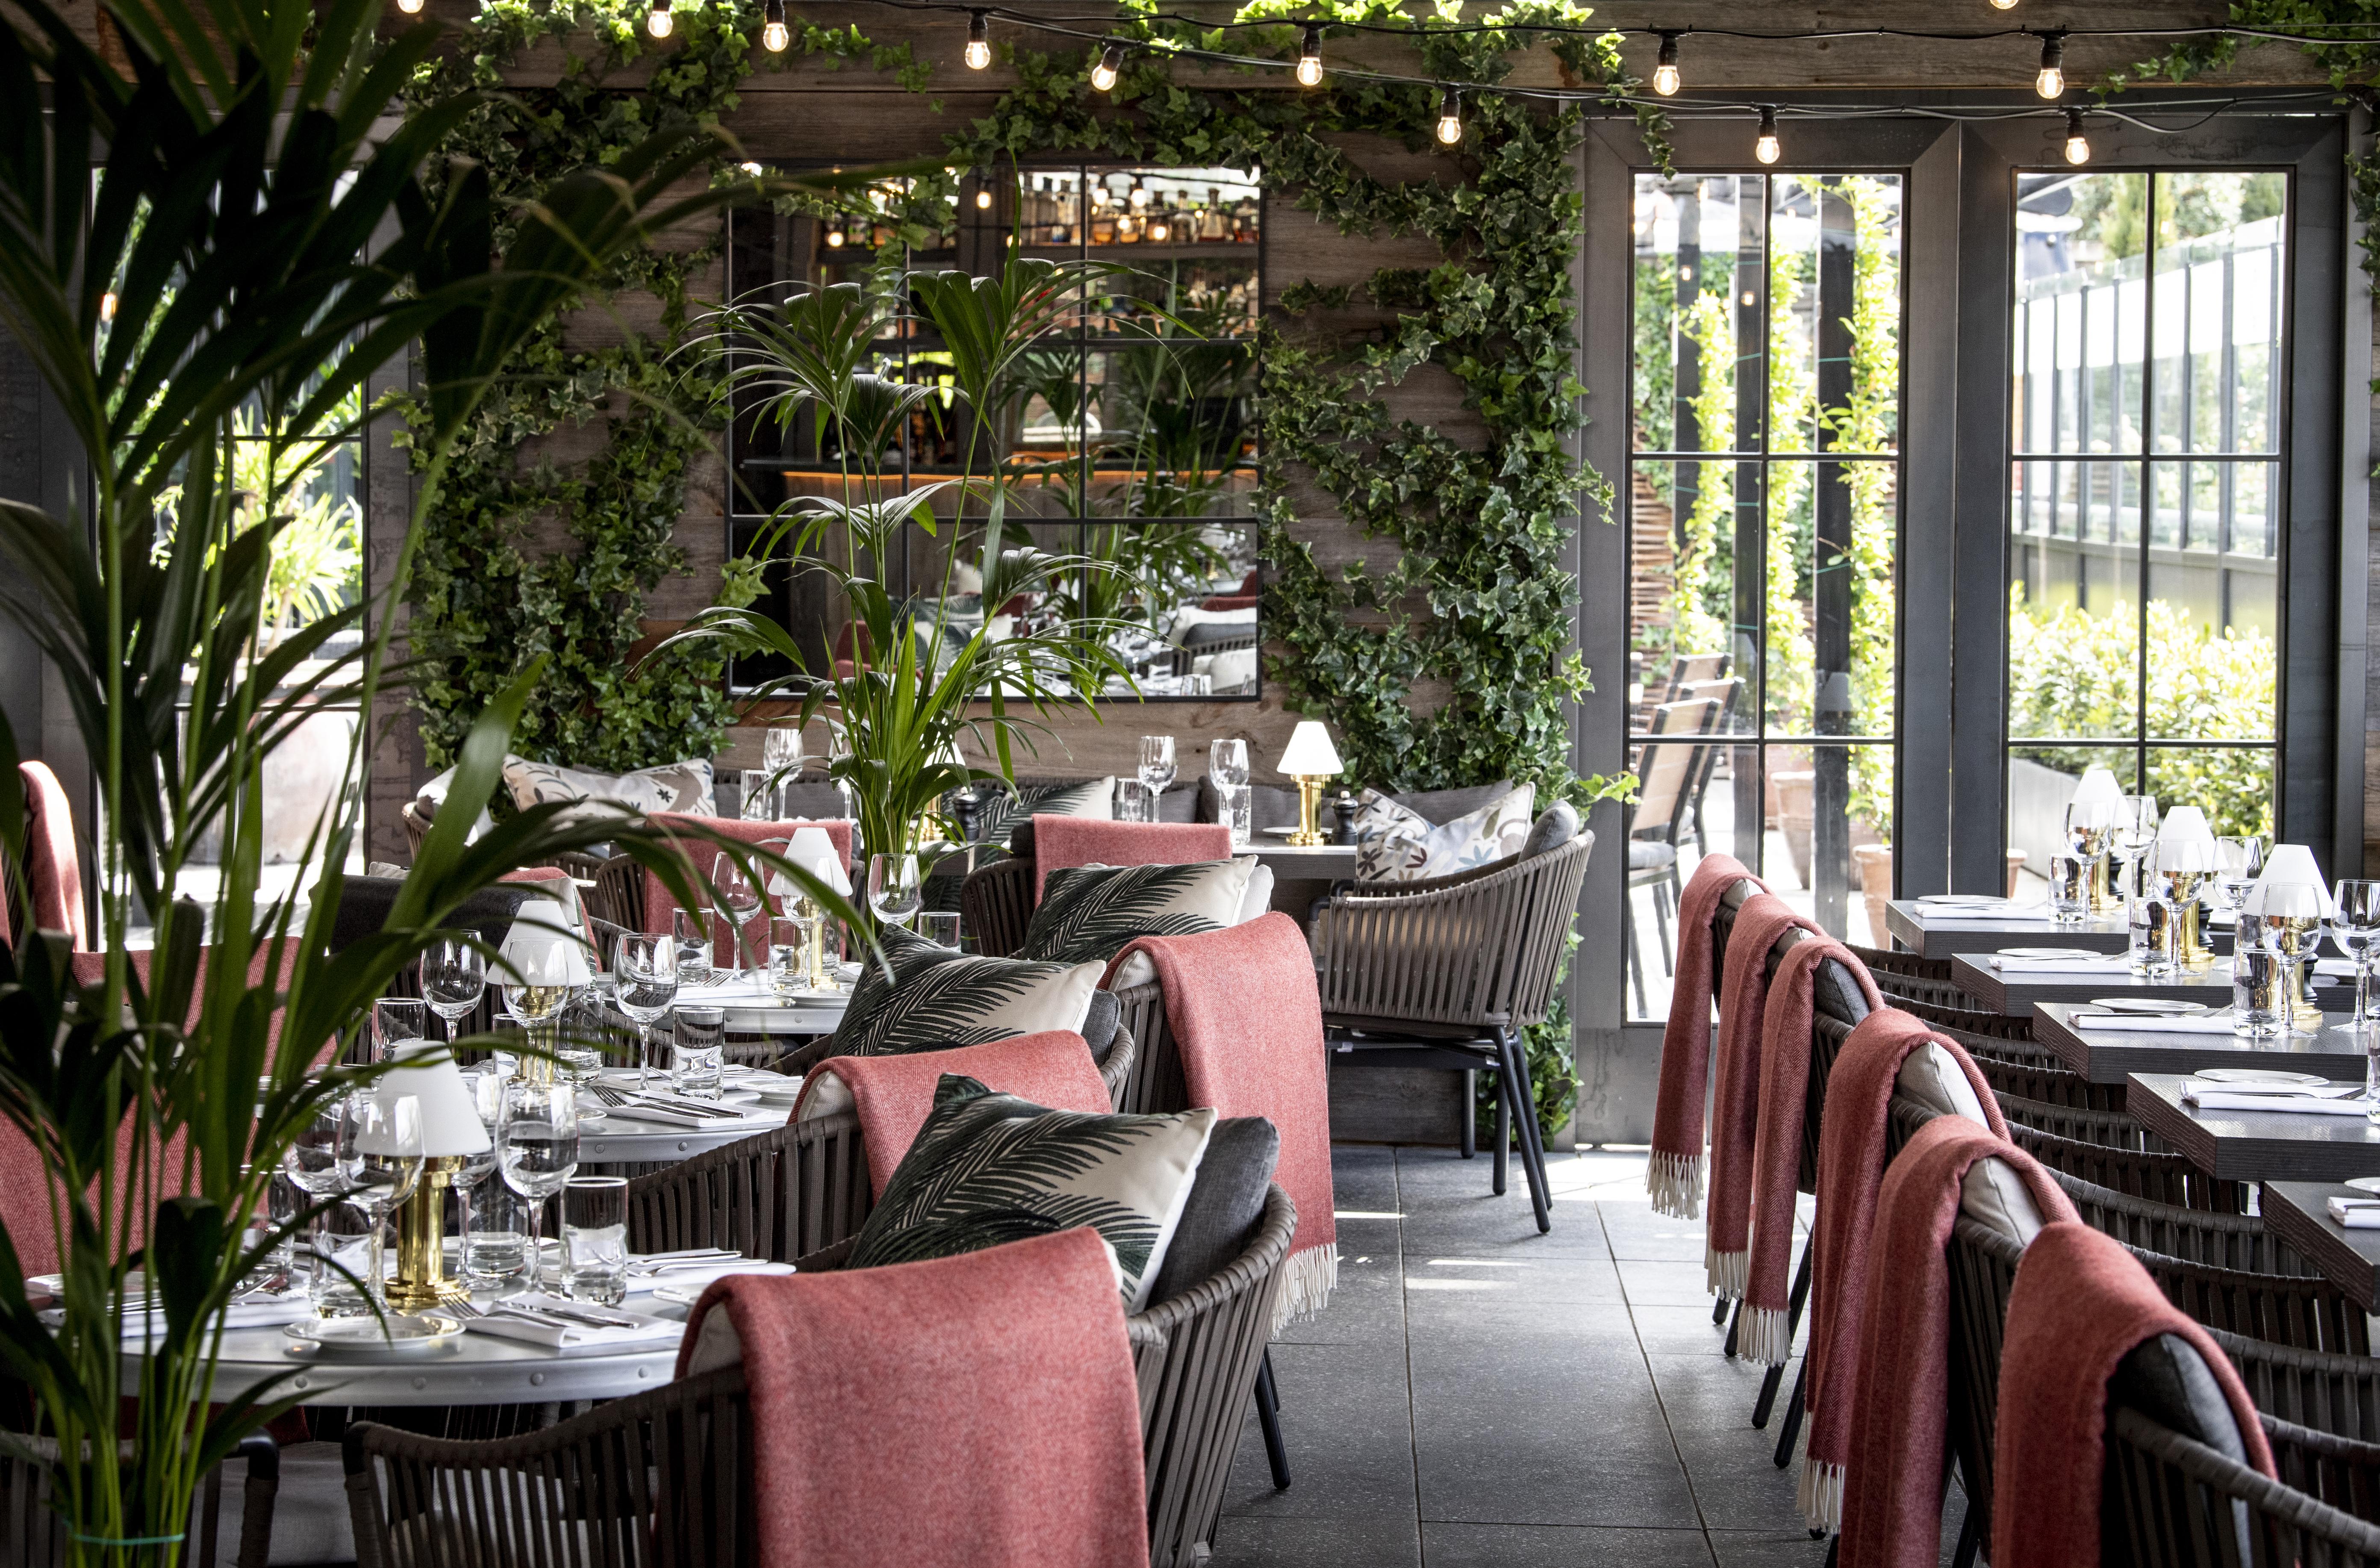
pixel 1137 970
pixel 683 787
pixel 1930 1076
pixel 1394 844
pixel 1994 1195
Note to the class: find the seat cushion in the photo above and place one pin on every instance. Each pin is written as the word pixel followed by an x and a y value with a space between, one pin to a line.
pixel 1226 1203
pixel 1555 826
pixel 1396 844
pixel 2165 1378
pixel 938 998
pixel 1100 1023
pixel 989 1168
pixel 1179 804
pixel 999 813
pixel 1644 855
pixel 683 787
pixel 1931 1076
pixel 1089 912
pixel 1268 805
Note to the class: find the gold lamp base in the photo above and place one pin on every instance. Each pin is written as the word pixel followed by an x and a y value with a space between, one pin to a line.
pixel 2190 949
pixel 421 1280
pixel 1309 809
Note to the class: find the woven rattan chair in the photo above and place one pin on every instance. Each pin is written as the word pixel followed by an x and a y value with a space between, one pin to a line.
pixel 1446 973
pixel 1967 1019
pixel 2173 1503
pixel 2164 1176
pixel 1156 1084
pixel 996 902
pixel 416 828
pixel 666 1477
pixel 1907 979
pixel 32 1532
pixel 1116 1067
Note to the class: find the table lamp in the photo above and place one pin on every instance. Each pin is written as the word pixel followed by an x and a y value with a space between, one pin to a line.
pixel 451 1132
pixel 2185 854
pixel 2097 795
pixel 2290 902
pixel 814 852
pixel 542 959
pixel 1310 760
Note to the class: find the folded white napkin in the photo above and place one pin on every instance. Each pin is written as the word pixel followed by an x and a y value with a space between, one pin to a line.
pixel 2356 1214
pixel 649 1331
pixel 2342 1099
pixel 2081 963
pixel 694 1273
pixel 1995 912
pixel 2216 1023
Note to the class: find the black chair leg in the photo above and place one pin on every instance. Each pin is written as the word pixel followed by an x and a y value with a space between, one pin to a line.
pixel 1636 957
pixel 1503 1135
pixel 1470 1111
pixel 1533 1142
pixel 1795 1403
pixel 1718 1312
pixel 1767 1400
pixel 1970 1539
pixel 1268 1418
pixel 1733 1324
pixel 1661 924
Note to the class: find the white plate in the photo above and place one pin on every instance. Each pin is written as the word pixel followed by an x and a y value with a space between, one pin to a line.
pixel 2258 1075
pixel 2080 956
pixel 362 1339
pixel 2364 1183
pixel 2148 1004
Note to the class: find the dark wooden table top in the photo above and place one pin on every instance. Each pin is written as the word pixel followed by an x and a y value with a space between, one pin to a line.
pixel 2111 1055
pixel 2299 1213
pixel 2014 994
pixel 1932 931
pixel 2254 1145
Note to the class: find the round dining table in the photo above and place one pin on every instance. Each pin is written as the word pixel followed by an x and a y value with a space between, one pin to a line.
pixel 473 1369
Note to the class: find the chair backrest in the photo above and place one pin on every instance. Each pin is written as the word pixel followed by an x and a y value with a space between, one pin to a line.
pixel 1669 767
pixel 1687 669
pixel 996 902
pixel 1156 1085
pixel 2162 1177
pixel 2173 1501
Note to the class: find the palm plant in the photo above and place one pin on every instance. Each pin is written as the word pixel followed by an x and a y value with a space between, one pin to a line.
pixel 909 688
pixel 256 237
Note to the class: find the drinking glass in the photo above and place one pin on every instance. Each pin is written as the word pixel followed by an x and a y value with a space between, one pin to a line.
pixel 2152 925
pixel 1227 761
pixel 759 795
pixel 492 1253
pixel 2136 830
pixel 380 1158
pixel 789 955
pixel 475 1169
pixel 2290 924
pixel 2238 863
pixel 595 1239
pixel 692 933
pixel 453 978
pixel 895 888
pixel 941 926
pixel 2069 886
pixel 643 969
pixel 395 1021
pixel 2355 928
pixel 311 1164
pixel 696 1064
pixel 2259 992
pixel 780 752
pixel 270 1231
pixel 1134 802
pixel 738 898
pixel 1157 762
pixel 537 1148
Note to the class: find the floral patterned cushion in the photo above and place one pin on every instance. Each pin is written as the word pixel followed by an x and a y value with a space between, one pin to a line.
pixel 1394 844
pixel 938 998
pixel 683 788
pixel 1092 911
pixel 988 1168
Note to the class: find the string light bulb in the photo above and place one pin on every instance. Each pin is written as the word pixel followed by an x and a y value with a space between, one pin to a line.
pixel 2078 146
pixel 1449 117
pixel 1766 147
pixel 834 238
pixel 2003 5
pixel 410 8
pixel 753 169
pixel 773 36
pixel 2051 80
pixel 1665 67
pixel 983 198
pixel 658 20
pixel 978 48
pixel 1309 57
pixel 1111 67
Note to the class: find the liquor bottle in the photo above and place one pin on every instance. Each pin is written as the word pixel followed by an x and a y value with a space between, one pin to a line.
pixel 1243 221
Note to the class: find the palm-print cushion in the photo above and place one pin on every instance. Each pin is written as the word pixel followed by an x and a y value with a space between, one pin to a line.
pixel 938 998
pixel 1001 814
pixel 988 1168
pixel 683 787
pixel 1395 844
pixel 1093 911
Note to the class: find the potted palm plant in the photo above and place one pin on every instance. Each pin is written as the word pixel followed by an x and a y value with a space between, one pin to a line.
pixel 213 270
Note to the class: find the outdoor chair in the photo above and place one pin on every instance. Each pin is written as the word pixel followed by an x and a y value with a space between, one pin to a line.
pixel 1970 1020
pixel 2160 1177
pixel 1906 978
pixel 1446 973
pixel 32 1532
pixel 2174 1502
pixel 1727 692
pixel 1668 769
pixel 996 905
pixel 666 1477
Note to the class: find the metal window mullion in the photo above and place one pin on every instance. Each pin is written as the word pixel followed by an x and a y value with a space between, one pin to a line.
pixel 2148 476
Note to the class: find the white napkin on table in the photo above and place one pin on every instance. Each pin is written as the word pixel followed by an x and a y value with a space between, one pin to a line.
pixel 700 1274
pixel 2356 1214
pixel 649 1332
pixel 2327 1099
pixel 2216 1023
pixel 260 1309
pixel 1985 912
pixel 2082 963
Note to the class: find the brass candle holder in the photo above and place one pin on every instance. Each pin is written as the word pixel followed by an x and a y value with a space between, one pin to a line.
pixel 421 1280
pixel 2190 949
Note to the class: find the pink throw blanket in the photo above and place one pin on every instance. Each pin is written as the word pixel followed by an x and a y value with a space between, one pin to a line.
pixel 2079 1306
pixel 1674 1175
pixel 1892 1500
pixel 1059 842
pixel 1851 1142
pixel 892 1095
pixel 1767 1336
pixel 1246 1016
pixel 1735 1099
pixel 52 870
pixel 979 1409
pixel 659 904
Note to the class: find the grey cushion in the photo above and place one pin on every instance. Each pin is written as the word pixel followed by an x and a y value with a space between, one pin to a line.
pixel 1555 826
pixel 1644 855
pixel 1442 806
pixel 364 903
pixel 815 801
pixel 2165 1380
pixel 1269 807
pixel 1100 1023
pixel 1208 634
pixel 1225 1205
pixel 1837 993
pixel 1179 804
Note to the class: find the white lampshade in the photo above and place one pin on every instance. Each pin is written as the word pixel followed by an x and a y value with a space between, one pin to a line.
pixel 2098 787
pixel 1309 753
pixel 814 852
pixel 450 1121
pixel 541 949
pixel 2184 841
pixel 2288 866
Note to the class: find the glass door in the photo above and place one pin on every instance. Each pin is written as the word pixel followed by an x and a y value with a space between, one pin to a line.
pixel 1764 525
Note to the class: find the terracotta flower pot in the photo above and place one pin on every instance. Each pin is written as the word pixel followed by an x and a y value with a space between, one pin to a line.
pixel 1793 816
pixel 1875 862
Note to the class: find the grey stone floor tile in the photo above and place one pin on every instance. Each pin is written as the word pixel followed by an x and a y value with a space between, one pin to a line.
pixel 1242 1541
pixel 1448 1545
pixel 1651 1284
pixel 1768 1549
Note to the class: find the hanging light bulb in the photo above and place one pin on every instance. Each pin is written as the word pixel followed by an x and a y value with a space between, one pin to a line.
pixel 1110 66
pixel 1766 147
pixel 773 36
pixel 983 198
pixel 978 49
pixel 1309 57
pixel 657 21
pixel 1665 68
pixel 1158 228
pixel 410 8
pixel 2003 5
pixel 1139 196
pixel 2051 82
pixel 1449 117
pixel 749 168
pixel 834 238
pixel 2078 146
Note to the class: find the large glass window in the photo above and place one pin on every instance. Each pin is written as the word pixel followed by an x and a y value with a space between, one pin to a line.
pixel 1763 522
pixel 2145 511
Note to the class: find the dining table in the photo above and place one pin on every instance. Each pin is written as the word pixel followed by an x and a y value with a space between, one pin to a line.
pixel 2013 991
pixel 620 1142
pixel 2107 1047
pixel 2299 1213
pixel 1935 930
pixel 2250 1145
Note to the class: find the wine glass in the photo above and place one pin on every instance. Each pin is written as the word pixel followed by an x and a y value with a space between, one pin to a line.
pixel 2238 863
pixel 1227 763
pixel 537 1148
pixel 2136 830
pixel 2355 928
pixel 647 970
pixel 1156 766
pixel 397 1021
pixel 738 900
pixel 311 1162
pixel 380 1160
pixel 453 978
pixel 895 890
pixel 780 753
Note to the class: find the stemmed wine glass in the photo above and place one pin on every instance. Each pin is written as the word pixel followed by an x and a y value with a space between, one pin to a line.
pixel 780 753
pixel 1156 768
pixel 1227 761
pixel 537 1148
pixel 380 1160
pixel 2136 831
pixel 2238 863
pixel 311 1162
pixel 453 978
pixel 895 890
pixel 2355 928
pixel 646 968
pixel 738 900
